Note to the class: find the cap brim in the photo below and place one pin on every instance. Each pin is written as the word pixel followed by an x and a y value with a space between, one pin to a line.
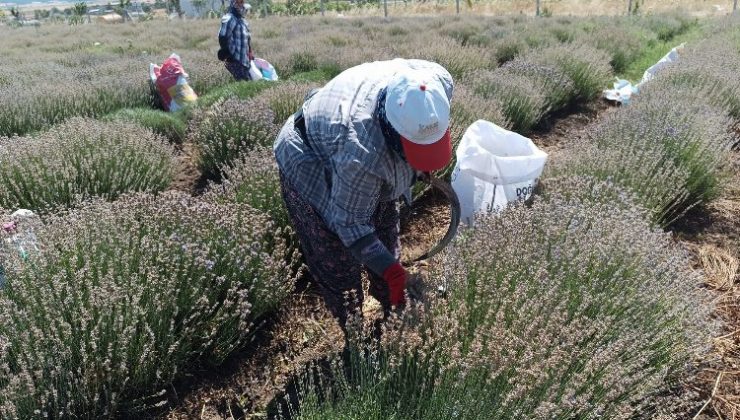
pixel 428 157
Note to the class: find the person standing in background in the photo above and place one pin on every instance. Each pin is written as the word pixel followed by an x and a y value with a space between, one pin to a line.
pixel 235 41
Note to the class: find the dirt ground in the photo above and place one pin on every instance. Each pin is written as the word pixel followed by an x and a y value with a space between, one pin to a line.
pixel 188 177
pixel 713 236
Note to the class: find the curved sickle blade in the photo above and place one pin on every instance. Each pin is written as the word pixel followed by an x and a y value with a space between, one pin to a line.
pixel 451 197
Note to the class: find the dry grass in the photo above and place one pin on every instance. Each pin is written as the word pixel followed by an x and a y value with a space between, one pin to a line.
pixel 699 8
pixel 498 7
pixel 719 265
pixel 716 250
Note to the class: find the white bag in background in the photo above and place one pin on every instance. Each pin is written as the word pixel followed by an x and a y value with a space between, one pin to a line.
pixel 624 90
pixel 267 69
pixel 669 58
pixel 254 71
pixel 494 167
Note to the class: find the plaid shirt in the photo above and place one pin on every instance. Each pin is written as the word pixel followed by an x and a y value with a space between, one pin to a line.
pixel 236 29
pixel 347 168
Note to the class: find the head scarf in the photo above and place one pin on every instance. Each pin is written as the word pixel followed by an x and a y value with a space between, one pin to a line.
pixel 236 9
pixel 392 138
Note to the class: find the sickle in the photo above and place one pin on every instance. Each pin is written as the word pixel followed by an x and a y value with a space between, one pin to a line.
pixel 449 193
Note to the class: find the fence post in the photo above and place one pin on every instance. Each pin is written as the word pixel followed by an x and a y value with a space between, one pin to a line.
pixel 322 7
pixel 537 11
pixel 457 5
pixel 385 8
pixel 734 7
pixel 629 7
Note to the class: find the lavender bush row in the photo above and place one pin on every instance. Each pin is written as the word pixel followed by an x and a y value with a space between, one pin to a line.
pixel 672 155
pixel 622 38
pixel 126 297
pixel 544 81
pixel 79 159
pixel 93 70
pixel 26 109
pixel 710 68
pixel 670 146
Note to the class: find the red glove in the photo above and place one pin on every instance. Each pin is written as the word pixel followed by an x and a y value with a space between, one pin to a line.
pixel 250 55
pixel 396 276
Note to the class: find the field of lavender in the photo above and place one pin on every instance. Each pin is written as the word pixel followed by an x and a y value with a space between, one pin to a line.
pixel 164 245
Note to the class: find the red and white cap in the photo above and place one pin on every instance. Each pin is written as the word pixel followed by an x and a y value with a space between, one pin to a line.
pixel 417 107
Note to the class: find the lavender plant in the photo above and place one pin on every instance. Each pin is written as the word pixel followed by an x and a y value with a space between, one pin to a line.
pixel 459 61
pixel 568 309
pixel 79 159
pixel 522 100
pixel 587 67
pixel 640 164
pixel 667 27
pixel 696 134
pixel 709 68
pixel 564 32
pixel 254 180
pixel 228 129
pixel 507 48
pixel 127 297
pixel 624 43
pixel 284 100
pixel 559 90
pixel 462 31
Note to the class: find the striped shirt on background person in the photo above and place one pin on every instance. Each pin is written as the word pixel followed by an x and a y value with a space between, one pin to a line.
pixel 236 30
pixel 347 167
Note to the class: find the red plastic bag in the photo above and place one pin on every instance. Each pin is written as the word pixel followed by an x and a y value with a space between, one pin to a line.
pixel 171 83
